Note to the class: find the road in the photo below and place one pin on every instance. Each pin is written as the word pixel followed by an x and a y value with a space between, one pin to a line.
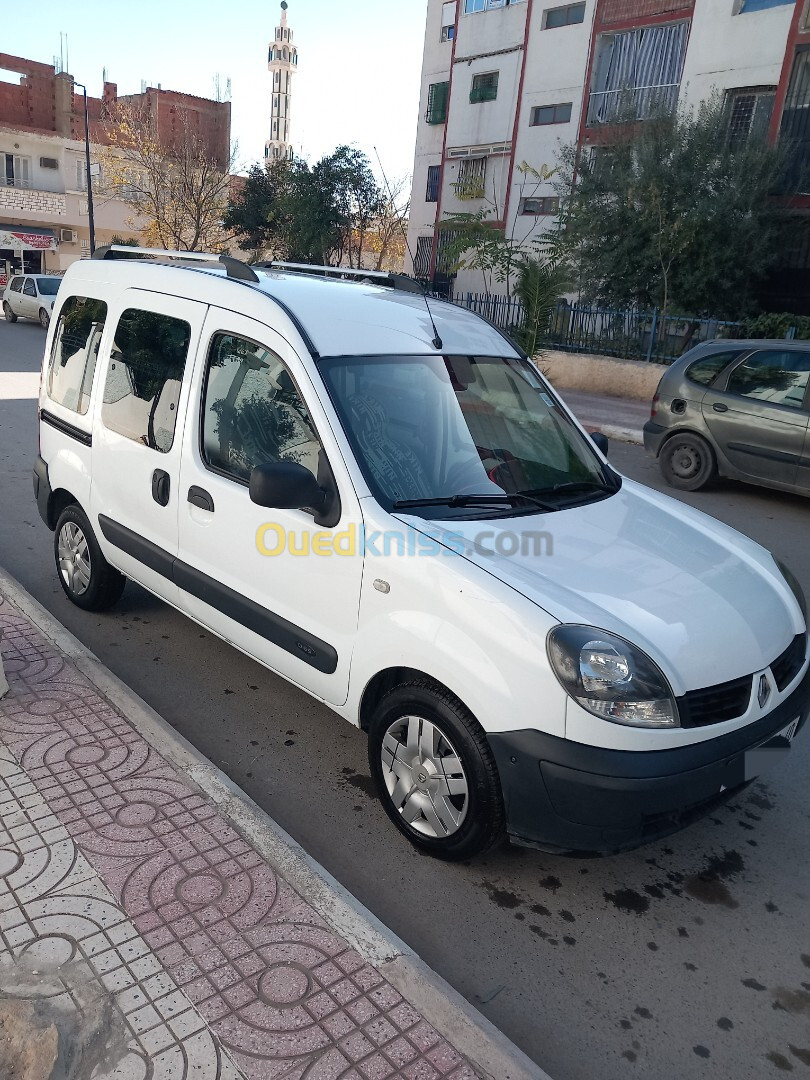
pixel 689 958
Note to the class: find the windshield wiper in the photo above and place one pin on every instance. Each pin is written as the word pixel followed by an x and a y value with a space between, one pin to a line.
pixel 507 499
pixel 570 487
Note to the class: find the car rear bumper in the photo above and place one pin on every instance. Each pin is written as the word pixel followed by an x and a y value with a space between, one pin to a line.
pixel 569 797
pixel 654 435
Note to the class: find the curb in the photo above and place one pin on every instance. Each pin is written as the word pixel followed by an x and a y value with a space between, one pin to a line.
pixel 620 434
pixel 475 1037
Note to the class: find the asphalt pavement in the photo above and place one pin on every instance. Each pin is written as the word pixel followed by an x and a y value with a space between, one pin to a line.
pixel 689 958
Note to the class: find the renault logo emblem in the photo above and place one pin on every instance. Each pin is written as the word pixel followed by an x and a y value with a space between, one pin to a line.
pixel 764 691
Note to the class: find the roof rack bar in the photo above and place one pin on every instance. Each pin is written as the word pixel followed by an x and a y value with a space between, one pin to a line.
pixel 235 268
pixel 400 282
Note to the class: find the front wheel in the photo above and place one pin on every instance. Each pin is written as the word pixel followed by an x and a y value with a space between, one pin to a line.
pixel 435 773
pixel 687 462
pixel 9 314
pixel 85 575
pixel 44 318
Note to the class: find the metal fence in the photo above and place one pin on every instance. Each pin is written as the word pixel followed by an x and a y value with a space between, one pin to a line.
pixel 632 335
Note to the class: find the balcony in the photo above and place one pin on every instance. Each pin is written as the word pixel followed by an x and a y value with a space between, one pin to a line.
pixel 29 201
pixel 630 104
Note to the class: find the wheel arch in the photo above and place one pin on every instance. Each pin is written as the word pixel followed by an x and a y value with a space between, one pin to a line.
pixel 390 678
pixel 57 501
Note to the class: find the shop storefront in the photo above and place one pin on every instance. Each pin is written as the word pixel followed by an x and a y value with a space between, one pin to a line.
pixel 22 249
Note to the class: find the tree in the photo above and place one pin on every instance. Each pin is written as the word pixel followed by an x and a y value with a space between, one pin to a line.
pixel 327 213
pixel 674 213
pixel 178 187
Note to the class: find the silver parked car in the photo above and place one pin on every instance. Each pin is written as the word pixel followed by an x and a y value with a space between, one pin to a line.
pixel 735 408
pixel 31 296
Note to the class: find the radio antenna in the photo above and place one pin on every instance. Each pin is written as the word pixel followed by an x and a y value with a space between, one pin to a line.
pixel 437 341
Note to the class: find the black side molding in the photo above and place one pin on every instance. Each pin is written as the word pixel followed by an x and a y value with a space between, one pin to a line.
pixel 57 422
pixel 273 628
pixel 42 490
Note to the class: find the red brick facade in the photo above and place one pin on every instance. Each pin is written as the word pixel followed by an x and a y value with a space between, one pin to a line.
pixel 44 102
pixel 624 11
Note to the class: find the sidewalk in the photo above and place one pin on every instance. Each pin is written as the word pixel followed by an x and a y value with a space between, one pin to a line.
pixel 618 418
pixel 156 925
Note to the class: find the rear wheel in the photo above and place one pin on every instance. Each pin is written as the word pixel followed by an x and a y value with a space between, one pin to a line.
pixel 9 314
pixel 44 318
pixel 435 773
pixel 687 462
pixel 85 575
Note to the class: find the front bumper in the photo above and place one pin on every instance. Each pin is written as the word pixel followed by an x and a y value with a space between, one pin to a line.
pixel 568 797
pixel 654 435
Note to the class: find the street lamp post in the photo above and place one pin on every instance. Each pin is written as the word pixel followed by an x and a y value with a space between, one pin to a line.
pixel 89 177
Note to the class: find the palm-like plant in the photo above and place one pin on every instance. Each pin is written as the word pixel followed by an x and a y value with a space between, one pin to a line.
pixel 542 279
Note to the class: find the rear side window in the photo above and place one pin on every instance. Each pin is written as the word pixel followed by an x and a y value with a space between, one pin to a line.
pixel 142 390
pixel 706 370
pixel 29 288
pixel 16 284
pixel 776 376
pixel 75 351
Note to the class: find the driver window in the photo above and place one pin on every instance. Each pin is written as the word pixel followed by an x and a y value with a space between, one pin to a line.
pixel 252 412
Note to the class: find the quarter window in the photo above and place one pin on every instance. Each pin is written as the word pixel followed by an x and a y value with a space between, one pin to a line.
pixel 706 370
pixel 776 376
pixel 252 411
pixel 142 390
pixel 75 351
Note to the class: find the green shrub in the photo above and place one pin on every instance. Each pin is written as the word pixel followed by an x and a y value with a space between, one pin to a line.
pixel 773 325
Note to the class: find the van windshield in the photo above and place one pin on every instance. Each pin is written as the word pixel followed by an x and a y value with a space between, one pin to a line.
pixel 462 436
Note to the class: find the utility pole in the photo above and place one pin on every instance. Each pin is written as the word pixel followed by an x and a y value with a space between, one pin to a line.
pixel 89 177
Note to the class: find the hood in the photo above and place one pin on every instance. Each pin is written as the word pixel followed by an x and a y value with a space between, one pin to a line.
pixel 706 603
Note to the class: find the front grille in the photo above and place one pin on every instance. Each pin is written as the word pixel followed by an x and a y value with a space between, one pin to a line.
pixel 786 667
pixel 714 704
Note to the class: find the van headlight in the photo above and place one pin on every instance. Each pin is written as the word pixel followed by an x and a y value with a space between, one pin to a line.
pixel 611 678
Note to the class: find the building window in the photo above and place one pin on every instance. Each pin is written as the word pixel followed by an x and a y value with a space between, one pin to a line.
pixel 449 20
pixel 432 189
pixel 471 178
pixel 547 204
pixel 795 128
pixel 568 15
pixel 749 113
pixel 472 6
pixel 484 87
pixel 637 73
pixel 448 33
pixel 424 251
pixel 17 171
pixel 743 6
pixel 551 114
pixel 437 103
pixel 75 351
pixel 142 389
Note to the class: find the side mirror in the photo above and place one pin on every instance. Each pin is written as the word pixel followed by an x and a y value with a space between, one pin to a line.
pixel 285 485
pixel 600 441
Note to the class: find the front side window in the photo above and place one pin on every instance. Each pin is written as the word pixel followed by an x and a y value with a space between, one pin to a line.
pixel 75 351
pixel 705 371
pixel 252 411
pixel 777 376
pixel 431 427
pixel 144 377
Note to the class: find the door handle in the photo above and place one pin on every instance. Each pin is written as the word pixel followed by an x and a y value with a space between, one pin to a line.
pixel 160 487
pixel 198 496
pixel 720 407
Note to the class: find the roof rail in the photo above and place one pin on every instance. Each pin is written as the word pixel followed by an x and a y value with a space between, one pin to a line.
pixel 234 268
pixel 381 277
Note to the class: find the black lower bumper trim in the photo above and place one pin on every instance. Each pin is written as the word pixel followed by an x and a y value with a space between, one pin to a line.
pixel 565 796
pixel 42 490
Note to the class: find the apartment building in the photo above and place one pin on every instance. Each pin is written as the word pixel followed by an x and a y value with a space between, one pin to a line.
pixel 506 82
pixel 44 221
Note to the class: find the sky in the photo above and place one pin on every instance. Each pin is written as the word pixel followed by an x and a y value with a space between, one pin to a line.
pixel 358 68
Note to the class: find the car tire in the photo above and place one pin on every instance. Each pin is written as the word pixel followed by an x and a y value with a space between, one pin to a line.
pixel 85 575
pixel 445 795
pixel 44 318
pixel 9 314
pixel 687 462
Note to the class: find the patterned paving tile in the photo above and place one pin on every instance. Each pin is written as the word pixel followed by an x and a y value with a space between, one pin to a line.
pixel 194 923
